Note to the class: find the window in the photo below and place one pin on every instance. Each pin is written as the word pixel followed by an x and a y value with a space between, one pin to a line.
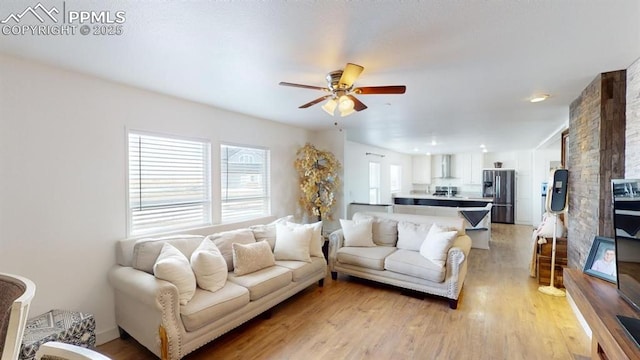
pixel 245 183
pixel 395 178
pixel 169 183
pixel 374 183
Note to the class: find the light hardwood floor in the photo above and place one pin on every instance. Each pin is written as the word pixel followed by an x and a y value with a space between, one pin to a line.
pixel 501 315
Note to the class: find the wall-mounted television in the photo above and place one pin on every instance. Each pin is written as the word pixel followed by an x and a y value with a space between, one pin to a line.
pixel 626 221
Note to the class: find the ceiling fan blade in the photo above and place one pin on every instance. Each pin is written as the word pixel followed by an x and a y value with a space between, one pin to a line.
pixel 370 90
pixel 350 74
pixel 320 99
pixel 303 86
pixel 357 104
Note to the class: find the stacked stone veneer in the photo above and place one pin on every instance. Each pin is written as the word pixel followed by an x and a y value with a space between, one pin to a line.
pixel 632 147
pixel 595 156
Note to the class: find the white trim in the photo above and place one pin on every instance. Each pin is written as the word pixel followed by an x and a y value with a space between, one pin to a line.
pixel 579 316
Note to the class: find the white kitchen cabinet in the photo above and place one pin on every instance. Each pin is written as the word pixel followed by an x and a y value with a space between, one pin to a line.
pixel 471 166
pixel 421 169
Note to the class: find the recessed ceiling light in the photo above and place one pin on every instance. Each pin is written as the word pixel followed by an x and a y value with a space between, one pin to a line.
pixel 428 154
pixel 434 143
pixel 484 150
pixel 482 146
pixel 538 98
pixel 416 149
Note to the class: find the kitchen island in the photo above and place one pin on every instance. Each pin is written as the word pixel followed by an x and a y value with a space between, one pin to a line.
pixel 475 210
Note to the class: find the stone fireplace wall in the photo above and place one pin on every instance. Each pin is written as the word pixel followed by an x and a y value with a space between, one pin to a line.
pixel 596 155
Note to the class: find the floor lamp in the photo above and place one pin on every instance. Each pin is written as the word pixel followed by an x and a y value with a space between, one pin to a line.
pixel 556 204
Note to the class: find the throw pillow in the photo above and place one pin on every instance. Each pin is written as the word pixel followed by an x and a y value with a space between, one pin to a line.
pixel 268 232
pixel 385 231
pixel 224 241
pixel 357 233
pixel 252 257
pixel 411 235
pixel 174 267
pixel 209 266
pixel 437 243
pixel 315 245
pixel 292 243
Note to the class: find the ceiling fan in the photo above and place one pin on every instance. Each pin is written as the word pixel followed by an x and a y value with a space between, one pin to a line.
pixel 341 91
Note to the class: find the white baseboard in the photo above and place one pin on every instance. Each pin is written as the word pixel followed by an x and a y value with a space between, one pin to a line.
pixel 581 319
pixel 107 335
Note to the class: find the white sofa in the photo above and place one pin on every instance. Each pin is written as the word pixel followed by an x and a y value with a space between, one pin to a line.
pixel 479 232
pixel 149 310
pixel 400 267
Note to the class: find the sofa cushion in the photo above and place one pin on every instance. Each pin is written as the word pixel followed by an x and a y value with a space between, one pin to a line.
pixel 436 246
pixel 206 307
pixel 268 231
pixel 357 233
pixel 302 270
pixel 209 266
pixel 413 264
pixel 368 257
pixel 263 282
pixel 252 257
pixel 411 235
pixel 315 245
pixel 224 241
pixel 384 231
pixel 174 267
pixel 292 243
pixel 146 251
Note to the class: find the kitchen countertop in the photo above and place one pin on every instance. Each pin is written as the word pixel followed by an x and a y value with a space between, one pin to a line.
pixel 434 197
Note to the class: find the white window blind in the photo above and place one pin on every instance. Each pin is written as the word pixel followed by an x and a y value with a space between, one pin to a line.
pixel 245 183
pixel 169 184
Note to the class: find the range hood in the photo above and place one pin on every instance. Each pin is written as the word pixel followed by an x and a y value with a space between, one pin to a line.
pixel 446 167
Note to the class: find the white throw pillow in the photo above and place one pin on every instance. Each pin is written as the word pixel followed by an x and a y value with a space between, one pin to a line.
pixel 224 241
pixel 209 266
pixel 268 232
pixel 411 235
pixel 437 243
pixel 252 257
pixel 357 233
pixel 315 245
pixel 292 243
pixel 174 267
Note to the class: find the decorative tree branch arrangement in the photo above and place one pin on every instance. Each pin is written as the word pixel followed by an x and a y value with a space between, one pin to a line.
pixel 318 178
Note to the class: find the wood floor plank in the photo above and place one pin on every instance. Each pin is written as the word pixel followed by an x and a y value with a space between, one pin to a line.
pixel 501 315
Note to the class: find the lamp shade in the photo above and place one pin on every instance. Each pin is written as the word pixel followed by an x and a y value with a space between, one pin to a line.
pixel 344 103
pixel 346 112
pixel 330 106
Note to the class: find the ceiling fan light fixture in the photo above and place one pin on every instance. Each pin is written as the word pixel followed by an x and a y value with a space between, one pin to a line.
pixel 344 103
pixel 346 112
pixel 330 106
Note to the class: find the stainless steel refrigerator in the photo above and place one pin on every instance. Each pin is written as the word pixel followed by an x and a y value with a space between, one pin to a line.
pixel 500 185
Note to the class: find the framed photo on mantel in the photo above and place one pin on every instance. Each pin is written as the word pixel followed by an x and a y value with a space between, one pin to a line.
pixel 601 262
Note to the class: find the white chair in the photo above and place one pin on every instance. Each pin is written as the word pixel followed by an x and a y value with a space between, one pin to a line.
pixel 54 350
pixel 16 293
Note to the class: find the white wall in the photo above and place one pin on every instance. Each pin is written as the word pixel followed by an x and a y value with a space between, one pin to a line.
pixel 62 173
pixel 543 160
pixel 356 172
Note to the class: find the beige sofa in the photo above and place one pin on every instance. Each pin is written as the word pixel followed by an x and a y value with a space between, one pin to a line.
pixel 400 267
pixel 149 310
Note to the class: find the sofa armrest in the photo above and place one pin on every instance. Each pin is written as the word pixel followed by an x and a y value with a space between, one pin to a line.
pixel 456 266
pixel 143 305
pixel 460 249
pixel 336 241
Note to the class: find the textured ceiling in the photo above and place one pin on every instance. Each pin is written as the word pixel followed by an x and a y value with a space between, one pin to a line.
pixel 469 66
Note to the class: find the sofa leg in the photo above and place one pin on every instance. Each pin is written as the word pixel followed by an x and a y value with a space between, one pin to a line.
pixel 267 314
pixel 321 282
pixel 123 334
pixel 453 303
pixel 334 275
